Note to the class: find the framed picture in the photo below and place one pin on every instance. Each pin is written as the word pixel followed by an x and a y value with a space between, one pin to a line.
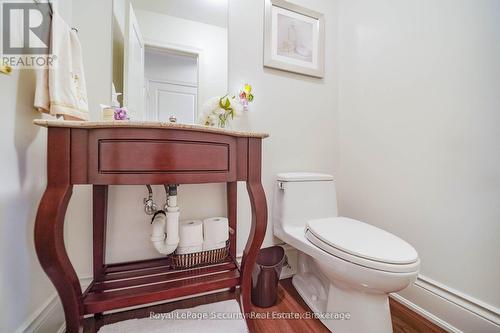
pixel 294 38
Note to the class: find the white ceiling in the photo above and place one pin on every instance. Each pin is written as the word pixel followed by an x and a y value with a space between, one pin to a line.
pixel 205 11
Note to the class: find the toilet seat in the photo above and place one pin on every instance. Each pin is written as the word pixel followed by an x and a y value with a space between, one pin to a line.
pixel 362 244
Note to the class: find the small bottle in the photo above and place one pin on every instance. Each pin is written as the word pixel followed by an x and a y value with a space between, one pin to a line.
pixel 108 112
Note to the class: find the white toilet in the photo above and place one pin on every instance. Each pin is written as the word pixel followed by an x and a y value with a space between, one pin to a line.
pixel 346 268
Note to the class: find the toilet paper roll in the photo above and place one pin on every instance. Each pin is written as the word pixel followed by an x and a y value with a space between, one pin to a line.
pixel 213 246
pixel 188 249
pixel 191 233
pixel 215 230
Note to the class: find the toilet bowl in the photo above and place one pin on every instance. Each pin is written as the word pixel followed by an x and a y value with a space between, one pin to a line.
pixel 346 268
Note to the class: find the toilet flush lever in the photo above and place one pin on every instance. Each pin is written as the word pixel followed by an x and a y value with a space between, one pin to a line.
pixel 281 185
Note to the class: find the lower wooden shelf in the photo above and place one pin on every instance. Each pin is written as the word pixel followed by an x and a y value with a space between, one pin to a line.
pixel 138 283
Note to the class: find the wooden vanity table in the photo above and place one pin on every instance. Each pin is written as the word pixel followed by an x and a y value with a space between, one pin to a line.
pixel 139 153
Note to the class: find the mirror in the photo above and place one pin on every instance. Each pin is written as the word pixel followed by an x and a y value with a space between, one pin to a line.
pixel 169 57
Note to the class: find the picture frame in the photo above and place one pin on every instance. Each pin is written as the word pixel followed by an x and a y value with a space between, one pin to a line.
pixel 294 38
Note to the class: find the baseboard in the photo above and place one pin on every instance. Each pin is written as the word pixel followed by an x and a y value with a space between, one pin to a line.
pixel 62 329
pixel 49 317
pixel 449 309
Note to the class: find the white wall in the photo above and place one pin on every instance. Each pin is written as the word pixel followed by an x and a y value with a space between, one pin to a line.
pixel 171 67
pixel 96 37
pixel 209 12
pixel 24 286
pixel 119 15
pixel 120 8
pixel 26 294
pixel 299 112
pixel 419 114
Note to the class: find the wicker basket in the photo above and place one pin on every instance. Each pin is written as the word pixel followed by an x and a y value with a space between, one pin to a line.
pixel 183 261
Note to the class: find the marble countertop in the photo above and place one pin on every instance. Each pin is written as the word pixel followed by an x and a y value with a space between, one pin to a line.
pixel 145 124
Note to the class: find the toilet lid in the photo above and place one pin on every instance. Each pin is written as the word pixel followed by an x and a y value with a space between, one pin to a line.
pixel 363 240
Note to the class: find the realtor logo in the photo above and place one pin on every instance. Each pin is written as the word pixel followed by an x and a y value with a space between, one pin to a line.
pixel 26 28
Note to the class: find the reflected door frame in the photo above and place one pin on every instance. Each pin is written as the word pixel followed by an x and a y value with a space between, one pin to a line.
pixel 186 50
pixel 133 72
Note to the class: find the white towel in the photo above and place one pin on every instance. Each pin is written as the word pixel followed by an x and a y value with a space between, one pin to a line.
pixel 61 89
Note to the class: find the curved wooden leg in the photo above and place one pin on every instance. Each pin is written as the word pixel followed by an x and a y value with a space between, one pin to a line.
pixel 49 232
pixel 49 244
pixel 258 227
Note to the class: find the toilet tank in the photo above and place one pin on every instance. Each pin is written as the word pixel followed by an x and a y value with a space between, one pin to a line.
pixel 299 197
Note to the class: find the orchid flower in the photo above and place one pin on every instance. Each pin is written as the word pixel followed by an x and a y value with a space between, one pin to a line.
pixel 121 114
pixel 218 111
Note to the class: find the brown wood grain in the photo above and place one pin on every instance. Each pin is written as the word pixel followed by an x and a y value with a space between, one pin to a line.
pixel 170 275
pixel 99 217
pixel 152 156
pixel 258 225
pixel 49 228
pixel 79 150
pixel 124 156
pixel 138 264
pixel 128 274
pixel 242 159
pixel 158 156
pixel 100 302
pixel 289 301
pixel 232 215
pixel 405 320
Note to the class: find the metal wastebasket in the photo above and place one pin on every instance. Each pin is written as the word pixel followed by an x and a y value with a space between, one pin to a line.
pixel 266 275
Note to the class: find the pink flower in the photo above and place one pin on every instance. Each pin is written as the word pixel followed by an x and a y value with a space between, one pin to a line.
pixel 121 114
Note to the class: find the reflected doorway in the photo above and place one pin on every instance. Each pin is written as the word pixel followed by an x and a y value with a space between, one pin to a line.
pixel 171 80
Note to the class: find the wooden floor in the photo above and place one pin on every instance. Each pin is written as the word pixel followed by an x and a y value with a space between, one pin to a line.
pixel 403 319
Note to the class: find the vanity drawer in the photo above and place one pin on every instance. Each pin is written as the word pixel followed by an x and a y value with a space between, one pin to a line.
pixel 159 156
pixel 146 156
